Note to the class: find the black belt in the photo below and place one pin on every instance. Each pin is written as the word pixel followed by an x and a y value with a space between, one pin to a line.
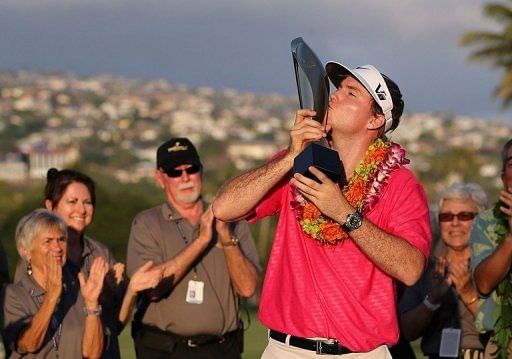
pixel 330 346
pixel 204 339
pixel 192 341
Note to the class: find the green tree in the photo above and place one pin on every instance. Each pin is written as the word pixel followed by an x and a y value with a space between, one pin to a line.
pixel 495 48
pixel 18 201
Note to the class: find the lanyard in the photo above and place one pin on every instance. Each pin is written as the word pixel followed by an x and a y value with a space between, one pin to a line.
pixel 182 232
pixel 185 239
pixel 178 225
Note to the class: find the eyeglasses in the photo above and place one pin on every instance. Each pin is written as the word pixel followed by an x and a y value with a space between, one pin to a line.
pixel 462 216
pixel 177 173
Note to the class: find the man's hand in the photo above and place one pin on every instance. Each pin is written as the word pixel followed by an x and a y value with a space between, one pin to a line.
pixel 326 196
pixel 206 226
pixel 305 130
pixel 147 276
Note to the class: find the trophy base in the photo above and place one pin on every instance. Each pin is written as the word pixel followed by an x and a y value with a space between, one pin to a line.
pixel 323 158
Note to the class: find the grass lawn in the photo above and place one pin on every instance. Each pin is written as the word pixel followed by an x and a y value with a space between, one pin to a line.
pixel 126 343
pixel 255 340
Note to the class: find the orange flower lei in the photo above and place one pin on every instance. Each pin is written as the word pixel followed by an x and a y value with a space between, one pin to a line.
pixel 363 191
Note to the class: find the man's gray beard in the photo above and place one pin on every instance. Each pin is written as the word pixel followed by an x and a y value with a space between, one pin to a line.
pixel 188 199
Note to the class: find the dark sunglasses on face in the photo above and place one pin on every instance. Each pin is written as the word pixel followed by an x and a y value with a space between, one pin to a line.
pixel 462 216
pixel 177 173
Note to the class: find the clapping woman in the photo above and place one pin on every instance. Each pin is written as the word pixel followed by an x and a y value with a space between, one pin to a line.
pixel 445 299
pixel 71 195
pixel 47 314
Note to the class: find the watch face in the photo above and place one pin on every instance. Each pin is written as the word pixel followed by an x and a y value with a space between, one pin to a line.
pixel 354 221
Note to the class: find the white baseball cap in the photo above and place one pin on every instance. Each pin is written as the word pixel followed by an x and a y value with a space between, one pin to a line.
pixel 371 79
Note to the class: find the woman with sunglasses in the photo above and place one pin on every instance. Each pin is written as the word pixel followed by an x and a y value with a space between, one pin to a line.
pixel 444 301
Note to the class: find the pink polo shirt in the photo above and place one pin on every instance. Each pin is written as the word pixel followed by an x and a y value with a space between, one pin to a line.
pixel 313 290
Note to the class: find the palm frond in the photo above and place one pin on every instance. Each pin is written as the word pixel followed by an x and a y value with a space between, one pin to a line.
pixel 475 37
pixel 499 12
pixel 495 54
pixel 504 89
pixel 494 48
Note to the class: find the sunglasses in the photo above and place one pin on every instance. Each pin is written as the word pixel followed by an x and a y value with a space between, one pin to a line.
pixel 462 216
pixel 177 173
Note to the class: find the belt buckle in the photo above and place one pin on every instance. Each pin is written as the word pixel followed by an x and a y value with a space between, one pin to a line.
pixel 326 347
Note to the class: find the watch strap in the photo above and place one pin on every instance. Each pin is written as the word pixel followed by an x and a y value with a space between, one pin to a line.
pixel 233 242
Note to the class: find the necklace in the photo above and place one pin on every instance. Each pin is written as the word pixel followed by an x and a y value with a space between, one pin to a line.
pixel 363 191
pixel 503 326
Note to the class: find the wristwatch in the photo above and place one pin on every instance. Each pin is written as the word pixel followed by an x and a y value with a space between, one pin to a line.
pixel 353 221
pixel 233 242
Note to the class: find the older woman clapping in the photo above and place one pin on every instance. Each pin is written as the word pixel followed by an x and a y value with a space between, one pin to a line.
pixel 71 195
pixel 47 314
pixel 445 300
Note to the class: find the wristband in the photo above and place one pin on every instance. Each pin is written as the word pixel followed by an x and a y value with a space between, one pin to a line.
pixel 431 306
pixel 233 242
pixel 96 311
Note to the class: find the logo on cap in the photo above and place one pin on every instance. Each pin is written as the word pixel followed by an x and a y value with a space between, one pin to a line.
pixel 381 94
pixel 177 147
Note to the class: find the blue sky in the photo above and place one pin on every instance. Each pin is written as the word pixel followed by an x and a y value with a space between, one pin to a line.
pixel 245 45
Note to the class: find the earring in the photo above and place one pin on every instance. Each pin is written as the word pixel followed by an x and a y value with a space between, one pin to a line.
pixel 29 268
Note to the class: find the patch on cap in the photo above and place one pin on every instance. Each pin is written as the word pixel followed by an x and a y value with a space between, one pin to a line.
pixel 177 147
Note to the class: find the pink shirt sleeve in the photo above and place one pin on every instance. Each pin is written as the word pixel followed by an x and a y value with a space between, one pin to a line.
pixel 270 205
pixel 405 205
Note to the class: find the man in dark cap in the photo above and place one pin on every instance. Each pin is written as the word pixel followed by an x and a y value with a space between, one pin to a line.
pixel 339 248
pixel 193 313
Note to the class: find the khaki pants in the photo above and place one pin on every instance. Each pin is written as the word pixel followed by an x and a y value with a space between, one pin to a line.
pixel 278 350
